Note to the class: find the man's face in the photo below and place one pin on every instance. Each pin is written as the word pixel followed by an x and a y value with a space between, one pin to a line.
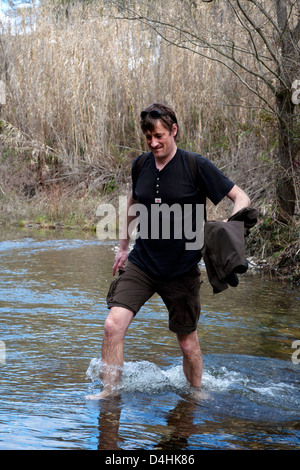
pixel 161 141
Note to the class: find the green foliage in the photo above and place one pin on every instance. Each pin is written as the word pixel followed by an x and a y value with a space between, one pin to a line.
pixel 109 186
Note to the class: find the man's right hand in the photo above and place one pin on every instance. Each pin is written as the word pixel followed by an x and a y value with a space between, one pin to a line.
pixel 120 259
pixel 123 251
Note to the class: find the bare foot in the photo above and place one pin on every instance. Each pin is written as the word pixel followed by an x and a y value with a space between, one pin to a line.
pixel 198 394
pixel 105 393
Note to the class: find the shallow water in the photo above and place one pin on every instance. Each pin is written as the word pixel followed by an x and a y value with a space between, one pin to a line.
pixel 52 307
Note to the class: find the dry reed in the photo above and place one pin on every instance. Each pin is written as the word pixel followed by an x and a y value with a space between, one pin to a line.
pixel 77 78
pixel 76 83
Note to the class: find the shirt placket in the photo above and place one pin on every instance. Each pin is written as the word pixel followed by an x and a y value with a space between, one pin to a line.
pixel 157 191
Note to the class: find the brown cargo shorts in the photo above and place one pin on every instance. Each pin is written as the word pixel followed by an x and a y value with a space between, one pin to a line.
pixel 181 295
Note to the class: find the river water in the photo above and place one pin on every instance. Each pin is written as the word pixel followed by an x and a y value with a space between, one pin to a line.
pixel 52 303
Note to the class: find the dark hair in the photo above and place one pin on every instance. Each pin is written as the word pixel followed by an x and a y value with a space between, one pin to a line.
pixel 161 111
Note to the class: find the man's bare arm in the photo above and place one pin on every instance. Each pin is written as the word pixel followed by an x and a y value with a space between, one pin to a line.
pixel 123 251
pixel 239 199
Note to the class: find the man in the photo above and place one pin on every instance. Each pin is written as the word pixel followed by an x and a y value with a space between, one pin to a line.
pixel 162 264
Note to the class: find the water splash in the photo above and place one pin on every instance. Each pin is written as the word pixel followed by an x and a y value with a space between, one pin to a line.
pixel 240 388
pixel 147 377
pixel 223 379
pixel 142 376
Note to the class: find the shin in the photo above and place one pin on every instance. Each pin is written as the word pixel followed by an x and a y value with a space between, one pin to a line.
pixel 192 358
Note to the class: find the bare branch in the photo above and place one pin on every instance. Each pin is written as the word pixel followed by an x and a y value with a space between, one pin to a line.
pixel 197 41
pixel 259 31
pixel 296 31
pixel 266 14
pixel 225 49
pixel 153 25
pixel 298 24
pixel 259 57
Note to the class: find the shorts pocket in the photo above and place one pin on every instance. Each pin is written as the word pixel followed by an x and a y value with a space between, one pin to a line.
pixel 113 286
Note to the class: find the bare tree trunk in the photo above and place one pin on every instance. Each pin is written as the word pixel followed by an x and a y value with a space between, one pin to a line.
pixel 285 188
pixel 288 70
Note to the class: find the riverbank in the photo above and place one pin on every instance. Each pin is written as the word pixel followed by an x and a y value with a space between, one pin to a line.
pixel 272 247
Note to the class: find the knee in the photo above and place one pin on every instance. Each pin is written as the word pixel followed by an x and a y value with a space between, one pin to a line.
pixel 189 344
pixel 110 326
pixel 117 322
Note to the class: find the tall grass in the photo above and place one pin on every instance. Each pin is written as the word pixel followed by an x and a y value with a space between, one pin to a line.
pixel 76 84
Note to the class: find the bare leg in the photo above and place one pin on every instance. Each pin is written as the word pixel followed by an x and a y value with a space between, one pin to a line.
pixel 116 324
pixel 192 358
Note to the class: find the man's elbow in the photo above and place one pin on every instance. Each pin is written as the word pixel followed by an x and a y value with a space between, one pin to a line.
pixel 243 199
pixel 239 197
pixel 247 200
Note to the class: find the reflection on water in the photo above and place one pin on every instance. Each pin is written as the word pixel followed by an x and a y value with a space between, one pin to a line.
pixel 52 306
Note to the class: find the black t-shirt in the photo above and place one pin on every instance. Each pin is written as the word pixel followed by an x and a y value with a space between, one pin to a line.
pixel 171 207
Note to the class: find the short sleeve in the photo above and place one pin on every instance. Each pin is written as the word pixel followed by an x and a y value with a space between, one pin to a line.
pixel 216 184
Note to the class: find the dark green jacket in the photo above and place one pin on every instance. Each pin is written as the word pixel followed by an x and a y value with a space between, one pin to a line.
pixel 224 248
